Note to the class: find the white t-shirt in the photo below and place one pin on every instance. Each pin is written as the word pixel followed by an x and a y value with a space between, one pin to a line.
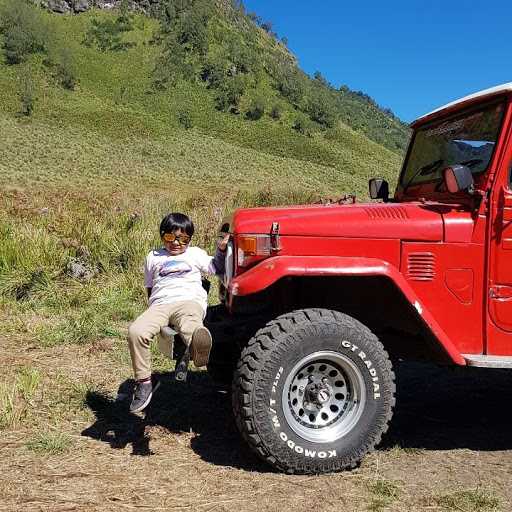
pixel 177 278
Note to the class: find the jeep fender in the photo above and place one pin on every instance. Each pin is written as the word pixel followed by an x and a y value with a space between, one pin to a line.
pixel 271 270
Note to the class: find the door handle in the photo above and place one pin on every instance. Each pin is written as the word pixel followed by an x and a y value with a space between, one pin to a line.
pixel 500 292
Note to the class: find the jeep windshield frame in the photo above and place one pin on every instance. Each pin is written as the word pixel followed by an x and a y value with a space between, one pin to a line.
pixel 468 137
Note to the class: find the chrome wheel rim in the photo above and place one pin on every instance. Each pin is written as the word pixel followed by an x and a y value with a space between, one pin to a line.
pixel 323 397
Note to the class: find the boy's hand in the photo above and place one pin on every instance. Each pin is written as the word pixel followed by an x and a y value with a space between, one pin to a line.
pixel 223 242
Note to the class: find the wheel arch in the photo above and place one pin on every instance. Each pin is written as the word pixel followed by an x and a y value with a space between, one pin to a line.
pixel 369 289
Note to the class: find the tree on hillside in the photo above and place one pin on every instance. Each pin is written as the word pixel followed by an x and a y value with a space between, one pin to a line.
pixel 183 36
pixel 229 94
pixel 187 22
pixel 125 18
pixel 24 30
pixel 319 78
pixel 267 26
pixel 321 107
pixel 254 18
pixel 107 35
pixel 303 125
pixel 291 84
pixel 256 108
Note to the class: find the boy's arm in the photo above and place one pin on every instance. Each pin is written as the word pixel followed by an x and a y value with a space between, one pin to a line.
pixel 219 260
pixel 217 264
pixel 148 276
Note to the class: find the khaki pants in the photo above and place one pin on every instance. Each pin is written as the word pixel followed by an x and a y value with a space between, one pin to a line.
pixel 185 317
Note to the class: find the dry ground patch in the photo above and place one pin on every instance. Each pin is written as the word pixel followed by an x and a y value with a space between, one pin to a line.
pixel 72 447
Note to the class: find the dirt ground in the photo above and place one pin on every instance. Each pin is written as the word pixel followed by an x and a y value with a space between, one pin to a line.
pixel 449 446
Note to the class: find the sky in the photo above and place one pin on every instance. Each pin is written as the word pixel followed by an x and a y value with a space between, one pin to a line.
pixel 410 56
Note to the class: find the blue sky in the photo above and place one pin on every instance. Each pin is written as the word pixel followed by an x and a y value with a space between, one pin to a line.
pixel 410 56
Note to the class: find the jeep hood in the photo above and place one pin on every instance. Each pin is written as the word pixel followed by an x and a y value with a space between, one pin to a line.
pixel 411 221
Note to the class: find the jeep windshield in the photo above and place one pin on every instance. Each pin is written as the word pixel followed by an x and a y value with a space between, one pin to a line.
pixel 467 139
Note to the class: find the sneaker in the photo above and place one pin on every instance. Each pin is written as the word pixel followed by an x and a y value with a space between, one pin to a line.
pixel 142 395
pixel 200 346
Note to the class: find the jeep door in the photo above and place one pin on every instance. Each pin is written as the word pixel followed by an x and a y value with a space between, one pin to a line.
pixel 499 332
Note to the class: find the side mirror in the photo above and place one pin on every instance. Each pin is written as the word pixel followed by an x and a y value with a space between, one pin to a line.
pixel 379 189
pixel 457 178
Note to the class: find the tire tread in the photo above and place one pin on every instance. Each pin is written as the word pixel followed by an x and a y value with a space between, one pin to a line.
pixel 261 347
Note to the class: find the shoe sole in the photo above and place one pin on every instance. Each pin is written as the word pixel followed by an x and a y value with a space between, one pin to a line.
pixel 201 346
pixel 146 403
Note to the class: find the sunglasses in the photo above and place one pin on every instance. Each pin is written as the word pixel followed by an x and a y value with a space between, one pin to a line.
pixel 181 239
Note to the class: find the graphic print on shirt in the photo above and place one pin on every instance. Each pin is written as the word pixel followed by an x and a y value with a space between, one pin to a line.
pixel 174 268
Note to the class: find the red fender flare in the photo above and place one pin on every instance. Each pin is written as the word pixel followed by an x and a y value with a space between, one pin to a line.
pixel 269 271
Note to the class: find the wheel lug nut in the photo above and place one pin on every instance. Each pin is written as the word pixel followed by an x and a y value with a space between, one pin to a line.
pixel 301 389
pixel 325 380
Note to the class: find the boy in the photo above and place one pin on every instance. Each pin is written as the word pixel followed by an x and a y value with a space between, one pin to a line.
pixel 172 276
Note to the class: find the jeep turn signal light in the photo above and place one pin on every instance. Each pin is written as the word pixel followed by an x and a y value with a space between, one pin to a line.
pixel 252 248
pixel 248 244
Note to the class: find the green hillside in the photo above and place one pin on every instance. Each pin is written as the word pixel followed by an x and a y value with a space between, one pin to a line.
pixel 104 131
pixel 115 113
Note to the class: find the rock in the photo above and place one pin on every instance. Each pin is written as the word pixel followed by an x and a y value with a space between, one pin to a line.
pixel 80 270
pixel 81 5
pixel 59 6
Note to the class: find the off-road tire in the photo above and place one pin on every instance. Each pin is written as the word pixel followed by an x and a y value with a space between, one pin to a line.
pixel 324 340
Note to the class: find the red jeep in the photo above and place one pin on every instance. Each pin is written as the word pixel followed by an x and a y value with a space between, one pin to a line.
pixel 324 299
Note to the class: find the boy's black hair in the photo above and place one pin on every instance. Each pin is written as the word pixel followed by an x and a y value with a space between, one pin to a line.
pixel 174 221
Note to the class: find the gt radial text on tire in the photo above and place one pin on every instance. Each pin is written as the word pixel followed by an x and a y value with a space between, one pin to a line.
pixel 313 392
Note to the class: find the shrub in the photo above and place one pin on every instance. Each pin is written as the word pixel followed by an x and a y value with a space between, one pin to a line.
pixel 24 31
pixel 26 94
pixel 187 22
pixel 214 71
pixel 276 112
pixel 65 69
pixel 17 44
pixel 256 108
pixel 125 18
pixel 321 108
pixel 171 65
pixel 267 26
pixel 229 94
pixel 291 85
pixel 303 125
pixel 185 119
pixel 107 35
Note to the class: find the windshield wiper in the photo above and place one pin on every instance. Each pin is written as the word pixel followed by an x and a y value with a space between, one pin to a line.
pixel 472 162
pixel 426 170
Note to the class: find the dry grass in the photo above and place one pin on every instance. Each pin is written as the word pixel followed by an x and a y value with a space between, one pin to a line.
pixel 50 443
pixel 16 396
pixel 470 500
pixel 383 494
pixel 77 449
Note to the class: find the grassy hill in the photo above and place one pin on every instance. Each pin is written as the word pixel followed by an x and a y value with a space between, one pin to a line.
pixel 115 101
pixel 88 174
